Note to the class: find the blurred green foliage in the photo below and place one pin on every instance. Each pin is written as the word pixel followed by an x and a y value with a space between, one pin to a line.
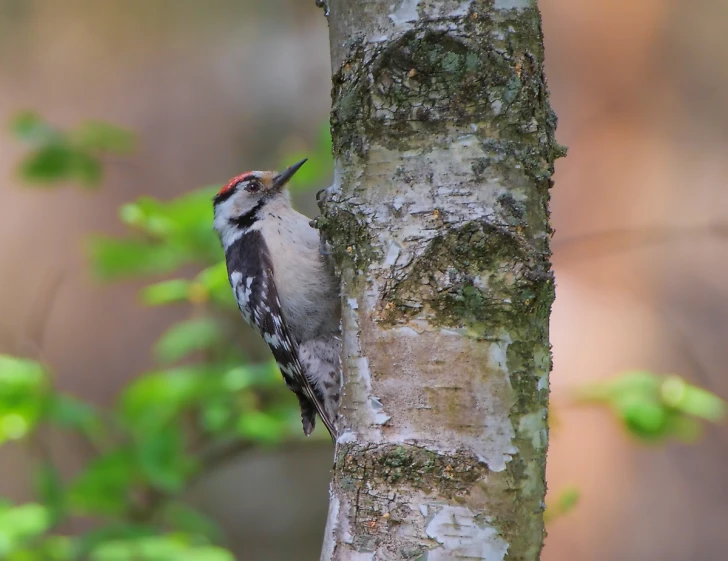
pixel 563 503
pixel 60 156
pixel 653 408
pixel 23 393
pixel 204 402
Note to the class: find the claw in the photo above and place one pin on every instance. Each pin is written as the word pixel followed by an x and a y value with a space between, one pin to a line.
pixel 323 246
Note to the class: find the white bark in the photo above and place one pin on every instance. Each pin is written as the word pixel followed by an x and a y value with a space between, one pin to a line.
pixel 444 149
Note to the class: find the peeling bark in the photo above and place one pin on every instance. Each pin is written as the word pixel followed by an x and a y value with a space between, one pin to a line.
pixel 438 218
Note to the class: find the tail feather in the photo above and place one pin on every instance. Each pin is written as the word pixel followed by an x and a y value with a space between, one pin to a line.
pixel 308 414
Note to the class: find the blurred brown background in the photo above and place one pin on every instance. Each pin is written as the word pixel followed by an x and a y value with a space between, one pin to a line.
pixel 213 88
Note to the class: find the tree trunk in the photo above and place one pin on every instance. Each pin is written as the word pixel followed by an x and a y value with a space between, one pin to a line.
pixel 438 218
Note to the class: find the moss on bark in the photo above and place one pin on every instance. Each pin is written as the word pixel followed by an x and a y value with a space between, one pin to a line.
pixel 471 260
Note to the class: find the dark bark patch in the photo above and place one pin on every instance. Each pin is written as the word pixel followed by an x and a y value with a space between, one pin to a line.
pixel 473 275
pixel 346 231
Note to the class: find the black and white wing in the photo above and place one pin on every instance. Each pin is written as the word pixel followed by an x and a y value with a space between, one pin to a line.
pixel 251 277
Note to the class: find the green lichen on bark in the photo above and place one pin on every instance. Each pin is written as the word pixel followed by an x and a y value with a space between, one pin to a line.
pixel 345 229
pixel 488 71
pixel 413 96
pixel 380 478
pixel 390 465
pixel 480 276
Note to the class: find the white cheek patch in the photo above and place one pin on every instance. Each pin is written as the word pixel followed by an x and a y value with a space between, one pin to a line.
pixel 228 233
pixel 225 211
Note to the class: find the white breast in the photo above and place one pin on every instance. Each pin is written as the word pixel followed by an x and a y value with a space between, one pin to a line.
pixel 306 288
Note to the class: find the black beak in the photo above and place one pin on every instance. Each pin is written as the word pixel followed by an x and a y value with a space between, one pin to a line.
pixel 282 178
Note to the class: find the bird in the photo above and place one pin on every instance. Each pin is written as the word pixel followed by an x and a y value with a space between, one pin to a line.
pixel 286 287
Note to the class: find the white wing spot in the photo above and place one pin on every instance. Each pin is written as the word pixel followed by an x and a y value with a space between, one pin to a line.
pixel 274 340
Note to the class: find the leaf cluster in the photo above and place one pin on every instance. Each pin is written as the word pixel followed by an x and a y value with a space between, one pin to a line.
pixel 204 402
pixel 74 155
pixel 653 408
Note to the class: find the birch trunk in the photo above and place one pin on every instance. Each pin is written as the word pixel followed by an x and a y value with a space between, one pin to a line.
pixel 438 217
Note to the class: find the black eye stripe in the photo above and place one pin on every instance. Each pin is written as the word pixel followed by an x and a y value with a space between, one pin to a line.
pixel 245 221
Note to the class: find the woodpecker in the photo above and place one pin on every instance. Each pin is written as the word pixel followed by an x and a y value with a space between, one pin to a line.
pixel 285 286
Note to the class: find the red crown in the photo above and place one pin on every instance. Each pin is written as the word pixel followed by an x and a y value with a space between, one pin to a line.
pixel 234 181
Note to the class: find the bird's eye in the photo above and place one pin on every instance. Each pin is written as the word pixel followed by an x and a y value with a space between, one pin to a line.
pixel 253 186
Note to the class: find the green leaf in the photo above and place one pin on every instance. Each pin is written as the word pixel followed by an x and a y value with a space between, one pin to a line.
pixel 262 426
pixel 565 502
pixel 208 553
pixel 692 400
pixel 183 518
pixel 86 169
pixel 215 277
pixel 210 284
pixel 104 486
pixel 29 127
pixel 21 523
pixel 59 156
pixel 159 548
pixel 23 396
pixel 16 371
pixel 633 383
pixel 218 415
pixel 59 161
pixel 186 219
pixel 187 337
pixel 214 281
pixel 643 418
pixel 683 428
pixel 239 378
pixel 162 460
pixel 180 233
pixel 52 548
pixel 49 488
pixel 117 531
pixel 103 137
pixel 156 398
pixel 654 407
pixel 69 412
pixel 116 258
pixel 166 292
